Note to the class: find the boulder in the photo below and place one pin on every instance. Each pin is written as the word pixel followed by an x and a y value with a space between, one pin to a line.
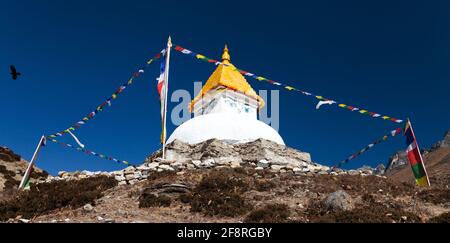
pixel 305 170
pixel 129 170
pixel 143 167
pixel 208 163
pixel 339 200
pixel 153 165
pixel 235 164
pixel 118 173
pixel 88 208
pixel 297 171
pixel 227 160
pixel 353 172
pixel 133 181
pixel 129 177
pixel 197 163
pixel 177 165
pixel 276 168
pixel 263 163
pixel 166 167
pixel 137 175
pixel 380 169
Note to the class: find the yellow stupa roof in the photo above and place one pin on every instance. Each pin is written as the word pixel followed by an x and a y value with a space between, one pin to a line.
pixel 228 76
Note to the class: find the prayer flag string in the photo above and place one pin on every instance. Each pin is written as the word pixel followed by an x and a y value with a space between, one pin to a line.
pixel 393 133
pixel 90 152
pixel 108 101
pixel 290 88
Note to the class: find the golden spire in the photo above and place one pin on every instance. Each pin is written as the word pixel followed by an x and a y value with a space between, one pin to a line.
pixel 228 76
pixel 226 56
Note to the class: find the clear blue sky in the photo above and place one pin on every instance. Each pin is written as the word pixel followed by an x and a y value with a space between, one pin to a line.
pixel 391 57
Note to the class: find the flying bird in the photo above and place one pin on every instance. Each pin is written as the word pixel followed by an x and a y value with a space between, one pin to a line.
pixel 14 72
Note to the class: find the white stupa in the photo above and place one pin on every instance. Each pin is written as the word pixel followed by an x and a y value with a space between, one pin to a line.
pixel 225 109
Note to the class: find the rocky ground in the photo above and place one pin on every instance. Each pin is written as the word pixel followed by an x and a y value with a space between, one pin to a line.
pixel 12 167
pixel 246 195
pixel 220 182
pixel 437 161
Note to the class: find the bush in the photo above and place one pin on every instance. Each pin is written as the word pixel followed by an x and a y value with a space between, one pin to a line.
pixel 38 175
pixel 152 200
pixel 272 213
pixel 8 155
pixel 6 172
pixel 10 182
pixel 45 197
pixel 443 218
pixel 364 214
pixel 435 195
pixel 219 193
pixel 264 185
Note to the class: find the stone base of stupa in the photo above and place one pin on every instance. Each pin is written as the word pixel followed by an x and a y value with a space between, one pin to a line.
pixel 259 153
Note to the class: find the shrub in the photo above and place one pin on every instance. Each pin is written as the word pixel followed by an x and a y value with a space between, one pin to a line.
pixel 264 185
pixel 443 218
pixel 152 200
pixel 38 175
pixel 45 197
pixel 219 193
pixel 10 182
pixel 435 195
pixel 272 213
pixel 364 214
pixel 6 172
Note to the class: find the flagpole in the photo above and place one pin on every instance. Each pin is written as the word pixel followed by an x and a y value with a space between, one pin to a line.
pixel 31 164
pixel 420 154
pixel 166 91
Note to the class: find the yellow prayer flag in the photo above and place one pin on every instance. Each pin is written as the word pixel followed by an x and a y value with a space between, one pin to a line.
pixel 200 56
pixel 422 181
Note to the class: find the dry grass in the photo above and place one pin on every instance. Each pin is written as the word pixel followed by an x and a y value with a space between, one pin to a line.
pixel 43 198
pixel 272 213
